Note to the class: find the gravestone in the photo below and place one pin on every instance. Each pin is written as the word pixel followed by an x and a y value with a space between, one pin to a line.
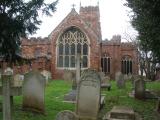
pixel 6 92
pixel 120 80
pixel 88 98
pixel 105 82
pixel 34 92
pixel 122 113
pixel 47 75
pixel 139 88
pixel 66 115
pixel 69 76
pixel 18 80
pixel 126 77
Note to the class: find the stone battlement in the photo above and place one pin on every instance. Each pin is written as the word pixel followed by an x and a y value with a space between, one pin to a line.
pixel 89 9
pixel 34 40
pixel 116 40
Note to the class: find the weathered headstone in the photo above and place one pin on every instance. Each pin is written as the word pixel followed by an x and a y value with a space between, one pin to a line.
pixel 105 82
pixel 121 113
pixel 34 92
pixel 139 88
pixel 126 77
pixel 120 80
pixel 18 80
pixel 69 76
pixel 66 115
pixel 7 98
pixel 47 75
pixel 88 98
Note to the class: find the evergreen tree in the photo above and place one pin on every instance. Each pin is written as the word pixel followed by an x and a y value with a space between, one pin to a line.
pixel 146 20
pixel 19 18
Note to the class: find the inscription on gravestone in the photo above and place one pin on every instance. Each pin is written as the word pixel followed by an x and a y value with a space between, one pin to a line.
pixel 34 92
pixel 88 98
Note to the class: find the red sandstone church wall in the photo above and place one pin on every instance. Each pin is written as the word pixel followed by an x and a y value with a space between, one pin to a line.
pixel 89 23
pixel 33 45
pixel 74 19
pixel 116 50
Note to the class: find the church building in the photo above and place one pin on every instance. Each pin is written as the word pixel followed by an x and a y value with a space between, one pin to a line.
pixel 80 33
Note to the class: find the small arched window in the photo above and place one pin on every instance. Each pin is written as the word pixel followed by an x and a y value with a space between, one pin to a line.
pixel 126 64
pixel 71 42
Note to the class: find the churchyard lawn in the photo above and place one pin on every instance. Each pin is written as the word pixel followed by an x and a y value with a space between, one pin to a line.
pixel 54 95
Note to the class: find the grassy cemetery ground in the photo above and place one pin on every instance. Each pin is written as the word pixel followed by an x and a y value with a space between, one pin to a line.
pixel 55 92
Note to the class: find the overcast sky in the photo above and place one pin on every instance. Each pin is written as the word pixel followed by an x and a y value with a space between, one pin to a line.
pixel 113 16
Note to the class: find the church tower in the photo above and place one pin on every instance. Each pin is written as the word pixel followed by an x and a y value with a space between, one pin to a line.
pixel 91 15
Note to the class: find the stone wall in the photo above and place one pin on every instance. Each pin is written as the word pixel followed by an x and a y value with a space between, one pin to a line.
pixel 116 50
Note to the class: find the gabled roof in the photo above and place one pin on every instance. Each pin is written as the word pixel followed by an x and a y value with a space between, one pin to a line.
pixel 78 19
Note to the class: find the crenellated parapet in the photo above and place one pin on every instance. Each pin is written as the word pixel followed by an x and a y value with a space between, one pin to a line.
pixel 35 41
pixel 116 40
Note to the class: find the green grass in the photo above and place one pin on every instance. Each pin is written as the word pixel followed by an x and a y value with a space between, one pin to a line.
pixel 55 92
pixel 120 97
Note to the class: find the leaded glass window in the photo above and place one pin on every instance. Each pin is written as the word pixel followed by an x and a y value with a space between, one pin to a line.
pixel 71 42
pixel 105 63
pixel 126 65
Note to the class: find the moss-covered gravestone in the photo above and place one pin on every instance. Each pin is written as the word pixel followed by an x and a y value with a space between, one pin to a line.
pixel 34 92
pixel 139 88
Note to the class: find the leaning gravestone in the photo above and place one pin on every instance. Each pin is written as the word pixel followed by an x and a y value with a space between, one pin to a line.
pixel 120 80
pixel 33 92
pixel 66 115
pixel 88 98
pixel 139 88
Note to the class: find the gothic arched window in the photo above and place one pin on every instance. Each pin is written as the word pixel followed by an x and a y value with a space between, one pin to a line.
pixel 105 63
pixel 71 42
pixel 126 64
